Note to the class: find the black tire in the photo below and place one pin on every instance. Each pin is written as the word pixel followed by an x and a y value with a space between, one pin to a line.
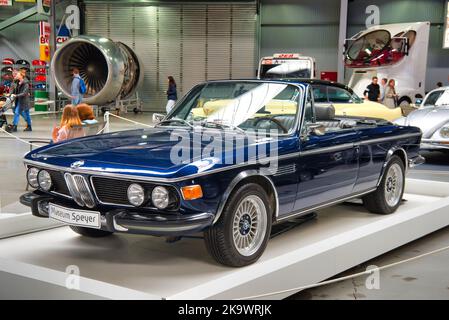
pixel 376 201
pixel 91 233
pixel 406 100
pixel 219 237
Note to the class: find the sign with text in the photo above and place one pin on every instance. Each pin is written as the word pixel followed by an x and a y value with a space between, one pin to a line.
pixel 5 3
pixel 44 40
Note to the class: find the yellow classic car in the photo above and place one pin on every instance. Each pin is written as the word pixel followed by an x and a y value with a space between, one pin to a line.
pixel 344 100
pixel 347 103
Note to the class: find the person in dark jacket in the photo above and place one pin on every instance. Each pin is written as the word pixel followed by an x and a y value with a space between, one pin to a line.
pixel 372 92
pixel 21 94
pixel 172 94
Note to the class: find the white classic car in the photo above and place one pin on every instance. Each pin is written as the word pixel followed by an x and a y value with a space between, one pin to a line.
pixel 432 117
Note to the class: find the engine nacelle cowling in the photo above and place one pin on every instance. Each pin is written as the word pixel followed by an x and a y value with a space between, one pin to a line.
pixel 110 70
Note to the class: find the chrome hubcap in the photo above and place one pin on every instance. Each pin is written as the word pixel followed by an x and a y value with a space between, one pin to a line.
pixel 249 225
pixel 393 185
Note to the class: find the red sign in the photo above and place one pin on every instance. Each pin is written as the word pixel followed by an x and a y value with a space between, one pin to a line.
pixel 329 76
pixel 5 3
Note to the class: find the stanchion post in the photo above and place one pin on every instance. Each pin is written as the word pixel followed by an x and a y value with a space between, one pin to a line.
pixel 106 120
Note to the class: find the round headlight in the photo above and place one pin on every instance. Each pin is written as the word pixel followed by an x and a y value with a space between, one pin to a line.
pixel 44 180
pixel 160 197
pixel 32 177
pixel 136 194
pixel 444 132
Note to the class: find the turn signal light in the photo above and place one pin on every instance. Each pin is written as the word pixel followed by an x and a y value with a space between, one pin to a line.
pixel 192 192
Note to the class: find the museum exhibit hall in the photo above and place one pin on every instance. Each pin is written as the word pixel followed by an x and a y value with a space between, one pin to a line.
pixel 239 150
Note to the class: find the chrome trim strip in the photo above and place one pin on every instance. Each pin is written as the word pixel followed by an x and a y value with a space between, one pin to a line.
pixel 328 149
pixel 85 192
pixel 61 194
pixel 401 136
pixel 161 229
pixel 324 205
pixel 73 189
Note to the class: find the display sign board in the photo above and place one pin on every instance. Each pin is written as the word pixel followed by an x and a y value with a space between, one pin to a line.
pixel 5 3
pixel 446 27
pixel 44 41
pixel 63 35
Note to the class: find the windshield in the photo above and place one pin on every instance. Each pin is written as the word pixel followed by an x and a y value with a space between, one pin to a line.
pixel 326 94
pixel 285 69
pixel 241 105
pixel 435 98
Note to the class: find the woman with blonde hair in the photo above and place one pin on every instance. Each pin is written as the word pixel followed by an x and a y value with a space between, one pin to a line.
pixel 391 97
pixel 70 127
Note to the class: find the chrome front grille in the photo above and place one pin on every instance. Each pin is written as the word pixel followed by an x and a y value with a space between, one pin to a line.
pixel 79 190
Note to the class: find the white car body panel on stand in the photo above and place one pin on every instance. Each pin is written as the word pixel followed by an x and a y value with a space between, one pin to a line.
pixel 409 72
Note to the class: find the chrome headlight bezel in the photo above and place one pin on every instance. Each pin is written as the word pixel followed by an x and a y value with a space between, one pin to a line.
pixel 32 174
pixel 160 197
pixel 444 132
pixel 136 194
pixel 44 180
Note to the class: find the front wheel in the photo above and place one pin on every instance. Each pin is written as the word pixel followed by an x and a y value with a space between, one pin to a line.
pixel 388 195
pixel 241 234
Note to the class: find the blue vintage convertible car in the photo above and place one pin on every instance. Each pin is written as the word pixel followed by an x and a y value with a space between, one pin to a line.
pixel 232 159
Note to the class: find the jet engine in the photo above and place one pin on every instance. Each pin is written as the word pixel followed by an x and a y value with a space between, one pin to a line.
pixel 110 70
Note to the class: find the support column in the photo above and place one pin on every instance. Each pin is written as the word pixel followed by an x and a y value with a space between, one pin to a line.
pixel 53 35
pixel 341 39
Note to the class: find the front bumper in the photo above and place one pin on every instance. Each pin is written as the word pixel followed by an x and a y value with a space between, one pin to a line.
pixel 128 220
pixel 429 144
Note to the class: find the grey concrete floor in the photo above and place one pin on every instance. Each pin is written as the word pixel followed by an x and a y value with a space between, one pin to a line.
pixel 427 278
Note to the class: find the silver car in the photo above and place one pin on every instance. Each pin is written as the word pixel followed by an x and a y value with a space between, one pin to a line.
pixel 432 117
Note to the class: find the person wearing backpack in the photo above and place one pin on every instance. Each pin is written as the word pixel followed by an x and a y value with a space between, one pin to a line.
pixel 78 87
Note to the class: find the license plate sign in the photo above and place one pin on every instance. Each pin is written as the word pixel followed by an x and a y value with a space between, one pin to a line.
pixel 82 218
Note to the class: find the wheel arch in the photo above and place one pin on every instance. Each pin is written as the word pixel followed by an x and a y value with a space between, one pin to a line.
pixel 250 176
pixel 394 151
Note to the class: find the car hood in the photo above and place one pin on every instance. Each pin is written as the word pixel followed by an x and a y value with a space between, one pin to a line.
pixel 428 119
pixel 153 152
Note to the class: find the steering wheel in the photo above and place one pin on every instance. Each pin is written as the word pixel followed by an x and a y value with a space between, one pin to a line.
pixel 271 119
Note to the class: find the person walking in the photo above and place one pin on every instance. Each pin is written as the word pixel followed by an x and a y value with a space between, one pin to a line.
pixel 172 94
pixel 372 91
pixel 391 98
pixel 21 94
pixel 76 90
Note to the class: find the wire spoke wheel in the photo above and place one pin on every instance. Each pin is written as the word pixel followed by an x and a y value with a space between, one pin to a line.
pixel 249 225
pixel 393 185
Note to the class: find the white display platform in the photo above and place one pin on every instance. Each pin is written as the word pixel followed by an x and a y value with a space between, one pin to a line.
pixel 140 267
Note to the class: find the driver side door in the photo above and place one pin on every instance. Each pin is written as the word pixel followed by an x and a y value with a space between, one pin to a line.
pixel 327 165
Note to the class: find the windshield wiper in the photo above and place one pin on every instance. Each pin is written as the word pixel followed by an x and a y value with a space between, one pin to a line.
pixel 174 120
pixel 221 126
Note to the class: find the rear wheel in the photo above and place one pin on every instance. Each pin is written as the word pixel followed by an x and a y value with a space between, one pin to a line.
pixel 89 232
pixel 388 195
pixel 241 234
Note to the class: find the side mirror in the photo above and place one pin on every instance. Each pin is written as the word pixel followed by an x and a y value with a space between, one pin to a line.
pixel 316 129
pixel 157 117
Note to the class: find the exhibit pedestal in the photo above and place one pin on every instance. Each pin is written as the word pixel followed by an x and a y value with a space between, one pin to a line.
pixel 140 267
